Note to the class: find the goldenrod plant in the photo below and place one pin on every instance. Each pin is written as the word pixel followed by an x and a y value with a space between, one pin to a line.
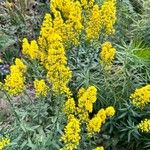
pixel 4 142
pixel 19 18
pixel 76 85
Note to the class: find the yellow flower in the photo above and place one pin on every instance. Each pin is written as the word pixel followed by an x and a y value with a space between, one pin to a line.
pixel 52 54
pixel 84 3
pixel 32 49
pixel 103 17
pixel 94 125
pixel 81 91
pixel 15 82
pixel 99 148
pixel 87 99
pixel 87 3
pixel 71 26
pixel 144 126
pixel 102 114
pixel 108 16
pixel 107 54
pixel 20 65
pixel 71 10
pixel 46 26
pixel 41 88
pixel 4 142
pixel 58 76
pixel 141 96
pixel 82 114
pixel 71 135
pixel 25 46
pixel 94 24
pixel 110 111
pixel 69 107
pixel 58 72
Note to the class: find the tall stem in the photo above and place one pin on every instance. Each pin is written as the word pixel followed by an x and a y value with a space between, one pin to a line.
pixel 29 97
pixel 106 77
pixel 12 107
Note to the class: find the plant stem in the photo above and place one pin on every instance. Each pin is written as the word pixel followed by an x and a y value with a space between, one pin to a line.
pixel 28 97
pixel 12 107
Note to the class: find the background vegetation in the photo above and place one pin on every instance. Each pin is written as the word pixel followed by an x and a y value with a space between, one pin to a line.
pixel 41 121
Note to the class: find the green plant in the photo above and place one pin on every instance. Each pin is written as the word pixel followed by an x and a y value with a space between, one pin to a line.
pixel 18 20
pixel 67 67
pixel 140 28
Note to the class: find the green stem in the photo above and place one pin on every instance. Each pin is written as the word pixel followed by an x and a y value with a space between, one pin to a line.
pixel 126 72
pixel 108 86
pixel 12 107
pixel 28 97
pixel 87 78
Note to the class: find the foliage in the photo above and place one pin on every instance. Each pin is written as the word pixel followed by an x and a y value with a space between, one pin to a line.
pixel 141 26
pixel 18 19
pixel 80 83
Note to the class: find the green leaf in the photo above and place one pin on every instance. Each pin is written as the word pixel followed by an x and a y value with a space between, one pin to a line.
pixel 6 41
pixel 23 144
pixel 30 144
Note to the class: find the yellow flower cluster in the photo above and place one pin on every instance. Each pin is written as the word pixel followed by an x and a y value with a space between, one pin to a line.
pixel 94 24
pixel 65 27
pixel 69 107
pixel 86 98
pixel 68 22
pixel 14 83
pixel 94 125
pixel 110 111
pixel 48 37
pixel 41 88
pixel 108 14
pixel 71 135
pixel 99 148
pixel 46 28
pixel 84 106
pixel 58 72
pixel 4 142
pixel 107 54
pixel 144 126
pixel 87 3
pixel 49 50
pixel 70 26
pixel 141 96
pixel 101 115
pixel 72 17
pixel 31 50
pixel 101 18
pixel 82 114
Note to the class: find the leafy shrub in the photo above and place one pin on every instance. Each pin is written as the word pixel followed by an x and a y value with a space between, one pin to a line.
pixel 73 72
pixel 18 21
